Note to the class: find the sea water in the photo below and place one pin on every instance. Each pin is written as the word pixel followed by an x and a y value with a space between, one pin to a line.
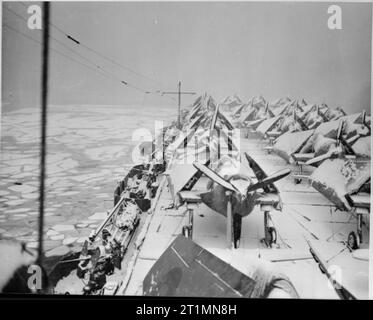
pixel 89 149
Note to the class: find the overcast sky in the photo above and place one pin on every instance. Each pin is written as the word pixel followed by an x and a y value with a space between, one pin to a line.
pixel 273 49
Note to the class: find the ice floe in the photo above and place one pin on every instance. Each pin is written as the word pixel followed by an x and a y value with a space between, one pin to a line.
pixel 15 202
pixel 24 188
pixel 58 237
pixel 87 148
pixel 52 233
pixel 63 227
pixel 59 251
pixel 69 240
pixel 19 210
pixel 98 216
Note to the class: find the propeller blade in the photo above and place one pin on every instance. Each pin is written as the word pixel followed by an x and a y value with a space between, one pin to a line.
pixel 353 139
pixel 302 124
pixel 225 121
pixel 322 115
pixel 269 180
pixel 342 111
pixel 213 122
pixel 339 132
pixel 347 146
pixel 364 116
pixel 319 158
pixel 215 177
pixel 258 171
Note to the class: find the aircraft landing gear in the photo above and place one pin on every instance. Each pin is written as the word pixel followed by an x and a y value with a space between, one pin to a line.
pixel 237 224
pixel 271 236
pixel 353 241
pixel 270 233
pixel 187 230
pixel 298 177
pixel 191 201
pixel 234 224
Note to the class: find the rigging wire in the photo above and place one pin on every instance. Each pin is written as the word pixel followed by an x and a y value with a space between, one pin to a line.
pixel 77 42
pixel 58 41
pixel 103 71
pixel 93 66
pixel 55 50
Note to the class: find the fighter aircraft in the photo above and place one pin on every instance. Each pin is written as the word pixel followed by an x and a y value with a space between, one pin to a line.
pixel 314 115
pixel 279 105
pixel 257 116
pixel 325 147
pixel 346 183
pixel 256 109
pixel 283 118
pixel 232 102
pixel 203 134
pixel 247 111
pixel 290 143
pixel 333 139
pixel 334 114
pixel 292 106
pixel 234 194
pixel 243 108
pixel 278 125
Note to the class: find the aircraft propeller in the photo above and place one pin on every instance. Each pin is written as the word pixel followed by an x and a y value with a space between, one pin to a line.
pixel 262 183
pixel 339 140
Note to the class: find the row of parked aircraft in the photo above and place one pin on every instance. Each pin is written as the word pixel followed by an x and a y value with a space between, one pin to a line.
pixel 320 144
pixel 330 148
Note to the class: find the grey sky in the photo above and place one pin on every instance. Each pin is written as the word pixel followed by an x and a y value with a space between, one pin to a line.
pixel 273 49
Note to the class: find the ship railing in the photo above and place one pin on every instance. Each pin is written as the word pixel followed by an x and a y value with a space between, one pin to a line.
pixel 111 214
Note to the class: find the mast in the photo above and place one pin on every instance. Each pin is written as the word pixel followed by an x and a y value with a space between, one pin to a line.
pixel 179 103
pixel 44 98
pixel 179 93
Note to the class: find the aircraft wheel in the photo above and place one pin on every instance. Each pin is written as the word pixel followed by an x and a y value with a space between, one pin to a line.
pixel 236 234
pixel 236 244
pixel 352 240
pixel 273 234
pixel 186 232
pixel 297 181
